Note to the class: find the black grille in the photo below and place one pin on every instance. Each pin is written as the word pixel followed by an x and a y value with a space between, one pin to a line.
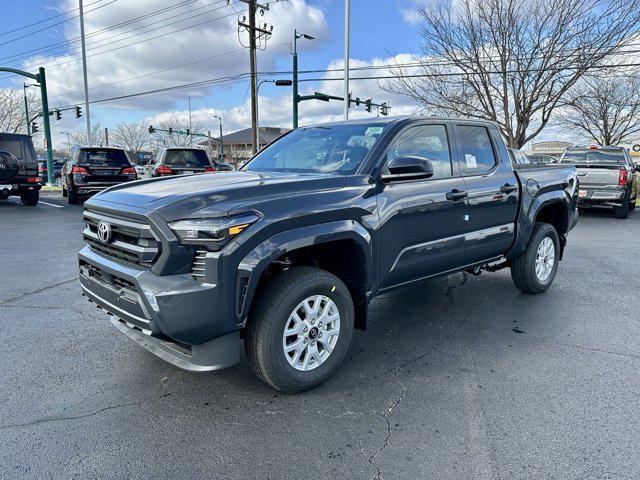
pixel 132 242
pixel 197 267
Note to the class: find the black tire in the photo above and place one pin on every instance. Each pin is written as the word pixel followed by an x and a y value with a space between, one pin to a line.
pixel 264 334
pixel 632 204
pixel 622 212
pixel 523 268
pixel 72 197
pixel 30 198
pixel 64 192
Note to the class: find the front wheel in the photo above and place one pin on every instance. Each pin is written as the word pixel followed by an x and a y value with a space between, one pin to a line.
pixel 534 270
pixel 300 329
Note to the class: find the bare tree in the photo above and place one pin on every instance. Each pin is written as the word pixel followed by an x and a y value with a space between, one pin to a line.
pixel 97 135
pixel 606 109
pixel 12 114
pixel 176 139
pixel 133 137
pixel 512 61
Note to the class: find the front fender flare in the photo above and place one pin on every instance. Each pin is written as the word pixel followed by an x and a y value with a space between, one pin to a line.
pixel 257 260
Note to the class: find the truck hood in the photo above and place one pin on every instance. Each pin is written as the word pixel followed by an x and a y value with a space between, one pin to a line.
pixel 212 194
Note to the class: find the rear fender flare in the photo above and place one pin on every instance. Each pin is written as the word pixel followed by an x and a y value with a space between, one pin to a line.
pixel 257 260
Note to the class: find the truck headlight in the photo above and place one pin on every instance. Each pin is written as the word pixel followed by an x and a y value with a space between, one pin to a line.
pixel 212 233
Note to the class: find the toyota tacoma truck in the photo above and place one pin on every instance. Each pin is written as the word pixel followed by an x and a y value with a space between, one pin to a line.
pixel 285 254
pixel 607 177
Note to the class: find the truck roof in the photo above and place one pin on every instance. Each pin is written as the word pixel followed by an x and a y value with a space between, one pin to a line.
pixel 403 118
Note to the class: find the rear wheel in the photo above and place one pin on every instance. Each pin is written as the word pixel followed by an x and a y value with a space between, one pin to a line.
pixel 622 211
pixel 72 196
pixel 534 270
pixel 632 204
pixel 30 198
pixel 300 329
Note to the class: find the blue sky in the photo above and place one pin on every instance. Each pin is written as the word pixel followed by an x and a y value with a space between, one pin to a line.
pixel 376 34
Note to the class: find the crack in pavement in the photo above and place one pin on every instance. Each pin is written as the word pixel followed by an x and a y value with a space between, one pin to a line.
pixel 70 417
pixel 392 406
pixel 39 290
pixel 50 307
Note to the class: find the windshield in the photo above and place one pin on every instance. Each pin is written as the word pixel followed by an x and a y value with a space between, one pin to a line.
pixel 593 156
pixel 102 158
pixel 337 149
pixel 186 158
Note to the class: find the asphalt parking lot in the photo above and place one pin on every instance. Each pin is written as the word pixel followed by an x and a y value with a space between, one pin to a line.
pixel 461 377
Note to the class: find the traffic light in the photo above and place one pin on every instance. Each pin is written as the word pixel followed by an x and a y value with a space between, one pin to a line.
pixel 384 109
pixel 152 129
pixel 78 112
pixel 170 131
pixel 58 114
pixel 34 127
pixel 367 105
pixel 188 131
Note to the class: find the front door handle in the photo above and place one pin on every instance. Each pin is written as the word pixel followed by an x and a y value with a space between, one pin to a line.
pixel 456 195
pixel 507 188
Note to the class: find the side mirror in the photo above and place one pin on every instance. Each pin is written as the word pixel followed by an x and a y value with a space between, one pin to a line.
pixel 409 168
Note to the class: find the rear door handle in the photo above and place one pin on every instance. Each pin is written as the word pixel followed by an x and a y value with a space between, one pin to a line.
pixel 507 188
pixel 456 195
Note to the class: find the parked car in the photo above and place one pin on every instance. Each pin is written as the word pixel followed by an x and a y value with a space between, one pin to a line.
pixel 537 158
pixel 19 169
pixel 57 170
pixel 288 252
pixel 606 177
pixel 181 161
pixel 223 167
pixel 92 169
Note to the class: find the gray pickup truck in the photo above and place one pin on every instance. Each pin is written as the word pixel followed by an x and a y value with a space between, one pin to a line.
pixel 287 253
pixel 606 177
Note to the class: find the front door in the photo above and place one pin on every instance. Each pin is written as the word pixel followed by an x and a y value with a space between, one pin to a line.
pixel 422 221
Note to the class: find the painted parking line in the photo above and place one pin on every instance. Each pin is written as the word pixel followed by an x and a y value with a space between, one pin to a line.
pixel 51 204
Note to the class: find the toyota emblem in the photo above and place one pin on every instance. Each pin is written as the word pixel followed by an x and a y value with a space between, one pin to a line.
pixel 104 232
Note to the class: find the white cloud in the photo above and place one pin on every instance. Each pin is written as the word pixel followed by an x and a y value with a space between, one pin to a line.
pixel 215 42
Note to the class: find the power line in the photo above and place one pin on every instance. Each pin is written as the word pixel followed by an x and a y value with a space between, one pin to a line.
pixel 43 20
pixel 51 65
pixel 55 46
pixel 35 32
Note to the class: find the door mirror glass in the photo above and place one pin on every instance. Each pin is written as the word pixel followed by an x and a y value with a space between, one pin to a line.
pixel 409 168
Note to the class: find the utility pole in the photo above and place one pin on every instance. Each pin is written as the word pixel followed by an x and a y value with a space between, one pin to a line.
pixel 221 149
pixel 84 72
pixel 346 59
pixel 252 29
pixel 190 128
pixel 106 136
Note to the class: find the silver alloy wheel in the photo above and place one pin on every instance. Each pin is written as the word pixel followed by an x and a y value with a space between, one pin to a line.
pixel 545 259
pixel 311 332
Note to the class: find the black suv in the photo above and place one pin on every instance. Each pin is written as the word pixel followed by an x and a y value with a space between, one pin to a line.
pixel 19 168
pixel 92 169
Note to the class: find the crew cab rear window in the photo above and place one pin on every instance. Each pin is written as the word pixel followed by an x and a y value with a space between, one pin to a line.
pixel 593 156
pixel 182 158
pixel 102 158
pixel 476 151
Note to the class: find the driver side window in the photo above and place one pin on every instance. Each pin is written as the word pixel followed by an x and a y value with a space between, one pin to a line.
pixel 428 142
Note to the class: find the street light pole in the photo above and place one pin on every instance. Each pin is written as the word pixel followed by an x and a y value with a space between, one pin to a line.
pixel 294 54
pixel 26 107
pixel 221 149
pixel 84 73
pixel 346 59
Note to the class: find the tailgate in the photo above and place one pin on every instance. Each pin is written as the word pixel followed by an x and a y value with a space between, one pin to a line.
pixel 599 177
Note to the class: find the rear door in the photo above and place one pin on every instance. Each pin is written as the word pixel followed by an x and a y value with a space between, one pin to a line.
pixel 105 165
pixel 422 222
pixel 493 191
pixel 186 162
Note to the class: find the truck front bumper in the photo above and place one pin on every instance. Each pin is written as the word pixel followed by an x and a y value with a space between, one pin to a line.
pixel 162 313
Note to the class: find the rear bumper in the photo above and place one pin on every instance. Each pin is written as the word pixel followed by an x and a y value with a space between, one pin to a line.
pixel 174 317
pixel 601 196
pixel 18 188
